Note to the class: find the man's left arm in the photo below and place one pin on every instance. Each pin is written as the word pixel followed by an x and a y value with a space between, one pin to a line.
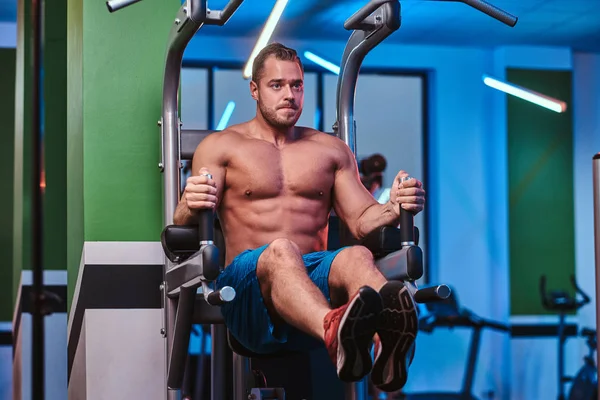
pixel 358 209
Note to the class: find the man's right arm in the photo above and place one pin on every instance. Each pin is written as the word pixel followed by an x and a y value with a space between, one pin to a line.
pixel 200 192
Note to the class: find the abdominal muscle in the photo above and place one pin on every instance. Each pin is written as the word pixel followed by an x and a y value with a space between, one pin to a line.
pixel 251 224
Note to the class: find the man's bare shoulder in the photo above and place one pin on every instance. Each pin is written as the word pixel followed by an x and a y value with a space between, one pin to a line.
pixel 322 137
pixel 327 139
pixel 337 149
pixel 223 140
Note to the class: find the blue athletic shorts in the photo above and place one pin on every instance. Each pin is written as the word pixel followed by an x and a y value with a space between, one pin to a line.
pixel 247 317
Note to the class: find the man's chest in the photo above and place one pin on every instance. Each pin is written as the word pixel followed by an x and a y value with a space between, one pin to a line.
pixel 264 171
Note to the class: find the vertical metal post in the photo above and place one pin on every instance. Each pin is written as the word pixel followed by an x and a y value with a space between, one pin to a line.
pixel 356 390
pixel 361 41
pixel 596 188
pixel 242 374
pixel 170 129
pixel 217 361
pixel 37 215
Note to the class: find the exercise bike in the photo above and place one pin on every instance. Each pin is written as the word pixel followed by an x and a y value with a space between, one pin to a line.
pixel 448 313
pixel 584 384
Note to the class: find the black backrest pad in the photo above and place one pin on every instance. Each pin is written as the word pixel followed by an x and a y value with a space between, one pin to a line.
pixel 190 139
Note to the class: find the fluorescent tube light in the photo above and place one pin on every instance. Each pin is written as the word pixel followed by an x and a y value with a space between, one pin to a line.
pixel 265 35
pixel 322 62
pixel 226 116
pixel 526 94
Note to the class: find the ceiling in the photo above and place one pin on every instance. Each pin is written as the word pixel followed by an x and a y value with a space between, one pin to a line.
pixel 570 23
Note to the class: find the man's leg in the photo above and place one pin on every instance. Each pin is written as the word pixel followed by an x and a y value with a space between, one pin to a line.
pixel 397 325
pixel 288 292
pixel 352 268
pixel 290 295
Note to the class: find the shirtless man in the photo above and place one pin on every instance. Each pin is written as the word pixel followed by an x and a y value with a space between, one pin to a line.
pixel 273 185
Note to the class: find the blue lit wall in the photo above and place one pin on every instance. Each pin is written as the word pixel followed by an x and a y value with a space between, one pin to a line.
pixel 467 197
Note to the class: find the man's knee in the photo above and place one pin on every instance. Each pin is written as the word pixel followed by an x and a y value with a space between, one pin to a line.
pixel 282 248
pixel 358 255
pixel 279 254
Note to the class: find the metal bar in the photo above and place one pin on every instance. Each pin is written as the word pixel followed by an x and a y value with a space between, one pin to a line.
pixel 492 11
pixel 241 376
pixel 170 313
pixel 358 46
pixel 320 123
pixel 189 19
pixel 37 214
pixel 356 390
pixel 181 337
pixel 221 17
pixel 115 5
pixel 561 356
pixel 596 188
pixel 472 361
pixel 355 20
pixel 219 362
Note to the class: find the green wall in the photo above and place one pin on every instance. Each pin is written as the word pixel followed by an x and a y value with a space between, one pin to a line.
pixel 7 143
pixel 123 69
pixel 541 204
pixel 115 65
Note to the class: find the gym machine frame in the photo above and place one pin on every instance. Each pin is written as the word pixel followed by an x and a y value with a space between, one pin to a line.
pixel 181 305
pixel 371 25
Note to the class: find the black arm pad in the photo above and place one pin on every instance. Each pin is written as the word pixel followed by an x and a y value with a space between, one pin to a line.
pixel 180 242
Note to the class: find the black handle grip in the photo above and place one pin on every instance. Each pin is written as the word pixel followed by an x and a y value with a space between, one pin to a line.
pixel 206 221
pixel 407 222
pixel 432 293
pixel 493 11
pixel 407 226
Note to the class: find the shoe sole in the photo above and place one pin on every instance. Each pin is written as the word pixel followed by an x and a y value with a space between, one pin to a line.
pixel 397 330
pixel 355 335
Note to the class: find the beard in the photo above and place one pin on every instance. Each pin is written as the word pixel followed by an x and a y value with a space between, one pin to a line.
pixel 277 121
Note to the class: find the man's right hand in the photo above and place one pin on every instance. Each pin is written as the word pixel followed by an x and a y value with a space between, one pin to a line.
pixel 200 191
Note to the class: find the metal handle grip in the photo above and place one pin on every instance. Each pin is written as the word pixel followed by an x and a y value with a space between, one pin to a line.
pixel 493 11
pixel 355 20
pixel 221 296
pixel 433 293
pixel 115 5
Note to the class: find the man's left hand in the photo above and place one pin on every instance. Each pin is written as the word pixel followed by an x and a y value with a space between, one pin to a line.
pixel 409 194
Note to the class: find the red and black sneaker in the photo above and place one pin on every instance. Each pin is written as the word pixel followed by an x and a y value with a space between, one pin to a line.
pixel 397 330
pixel 349 334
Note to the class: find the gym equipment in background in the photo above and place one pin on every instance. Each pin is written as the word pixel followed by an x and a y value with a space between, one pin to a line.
pixel 585 382
pixel 449 314
pixel 563 303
